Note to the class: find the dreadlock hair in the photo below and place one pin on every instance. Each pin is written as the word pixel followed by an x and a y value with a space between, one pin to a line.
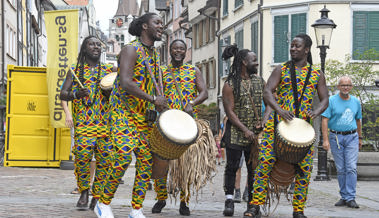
pixel 308 44
pixel 178 40
pixel 135 27
pixel 236 67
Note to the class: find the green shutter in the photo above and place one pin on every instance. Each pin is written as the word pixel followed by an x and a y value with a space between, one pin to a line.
pixel 237 3
pixel 373 31
pixel 360 33
pixel 239 38
pixel 254 37
pixel 280 38
pixel 298 24
pixel 220 61
pixel 225 7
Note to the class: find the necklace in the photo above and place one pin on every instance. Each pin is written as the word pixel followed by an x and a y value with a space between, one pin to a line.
pixel 81 77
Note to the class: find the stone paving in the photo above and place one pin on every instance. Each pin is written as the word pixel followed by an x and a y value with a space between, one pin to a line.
pixel 44 192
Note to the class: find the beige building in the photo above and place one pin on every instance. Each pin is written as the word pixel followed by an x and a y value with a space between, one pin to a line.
pixel 267 27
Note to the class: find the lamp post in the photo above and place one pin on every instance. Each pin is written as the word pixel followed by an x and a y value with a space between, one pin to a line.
pixel 323 31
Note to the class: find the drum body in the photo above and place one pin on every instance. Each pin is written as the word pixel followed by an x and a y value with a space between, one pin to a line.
pixel 174 132
pixel 107 82
pixel 293 139
pixel 282 173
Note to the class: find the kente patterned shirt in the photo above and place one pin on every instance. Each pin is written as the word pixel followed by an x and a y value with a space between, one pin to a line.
pixel 135 108
pixel 243 108
pixel 90 113
pixel 186 79
pixel 285 93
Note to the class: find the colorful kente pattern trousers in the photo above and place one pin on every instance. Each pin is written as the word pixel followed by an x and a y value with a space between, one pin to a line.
pixel 160 187
pixel 84 148
pixel 126 139
pixel 267 160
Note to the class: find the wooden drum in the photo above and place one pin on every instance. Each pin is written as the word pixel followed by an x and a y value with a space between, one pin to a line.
pixel 293 140
pixel 172 135
pixel 107 82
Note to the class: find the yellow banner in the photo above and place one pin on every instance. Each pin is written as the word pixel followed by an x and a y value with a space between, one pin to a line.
pixel 62 35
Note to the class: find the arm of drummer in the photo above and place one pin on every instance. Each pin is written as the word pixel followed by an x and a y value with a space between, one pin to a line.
pixel 201 89
pixel 268 96
pixel 322 91
pixel 127 59
pixel 324 131
pixel 267 112
pixel 66 93
pixel 228 102
pixel 69 121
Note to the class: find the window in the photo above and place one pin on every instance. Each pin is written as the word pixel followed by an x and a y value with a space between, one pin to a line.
pixel 239 38
pixel 212 29
pixel 211 78
pixel 12 41
pixel 224 66
pixel 287 27
pixel 122 37
pixel 365 32
pixel 224 7
pixel 238 3
pixel 254 37
pixel 206 31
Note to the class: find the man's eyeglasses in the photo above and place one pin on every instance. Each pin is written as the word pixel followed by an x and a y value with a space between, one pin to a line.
pixel 346 86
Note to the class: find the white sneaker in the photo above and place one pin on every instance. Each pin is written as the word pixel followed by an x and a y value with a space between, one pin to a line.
pixel 136 213
pixel 103 210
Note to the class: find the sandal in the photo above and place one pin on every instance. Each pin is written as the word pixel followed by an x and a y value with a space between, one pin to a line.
pixel 75 191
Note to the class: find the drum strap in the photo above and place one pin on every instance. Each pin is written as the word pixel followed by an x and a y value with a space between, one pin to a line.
pixel 294 87
pixel 177 87
pixel 158 87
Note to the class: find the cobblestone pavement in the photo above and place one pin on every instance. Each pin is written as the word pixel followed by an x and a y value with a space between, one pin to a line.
pixel 44 192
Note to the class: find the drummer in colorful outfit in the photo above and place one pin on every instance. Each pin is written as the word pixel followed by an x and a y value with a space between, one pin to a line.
pixel 89 110
pixel 193 91
pixel 135 95
pixel 285 108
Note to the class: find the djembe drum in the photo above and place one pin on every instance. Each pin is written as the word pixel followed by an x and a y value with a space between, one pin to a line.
pixel 106 83
pixel 173 133
pixel 293 140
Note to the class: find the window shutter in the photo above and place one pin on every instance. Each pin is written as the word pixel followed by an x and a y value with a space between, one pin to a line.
pixel 237 3
pixel 239 39
pixel 360 33
pixel 254 37
pixel 373 25
pixel 225 7
pixel 220 62
pixel 280 38
pixel 298 24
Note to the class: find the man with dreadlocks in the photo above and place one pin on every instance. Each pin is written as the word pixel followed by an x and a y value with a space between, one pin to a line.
pixel 136 94
pixel 90 109
pixel 182 83
pixel 242 100
pixel 289 95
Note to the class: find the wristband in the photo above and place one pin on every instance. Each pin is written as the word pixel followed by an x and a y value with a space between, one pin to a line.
pixel 74 94
pixel 360 137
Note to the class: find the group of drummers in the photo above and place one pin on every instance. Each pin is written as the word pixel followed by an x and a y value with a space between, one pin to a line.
pixel 150 110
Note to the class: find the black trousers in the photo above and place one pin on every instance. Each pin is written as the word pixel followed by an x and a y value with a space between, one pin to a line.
pixel 233 158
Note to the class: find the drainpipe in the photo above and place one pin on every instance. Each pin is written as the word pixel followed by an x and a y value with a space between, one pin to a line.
pixel 260 37
pixel 218 75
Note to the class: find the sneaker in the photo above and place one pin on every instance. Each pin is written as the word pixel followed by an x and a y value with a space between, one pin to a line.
pixel 158 206
pixel 103 210
pixel 340 203
pixel 237 196
pixel 298 214
pixel 136 213
pixel 184 210
pixel 245 196
pixel 229 207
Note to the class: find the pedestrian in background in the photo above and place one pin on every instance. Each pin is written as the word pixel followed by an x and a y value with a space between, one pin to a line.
pixel 343 118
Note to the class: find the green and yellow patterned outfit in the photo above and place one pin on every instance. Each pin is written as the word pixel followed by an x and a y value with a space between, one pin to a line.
pixel 129 129
pixel 186 79
pixel 267 156
pixel 90 115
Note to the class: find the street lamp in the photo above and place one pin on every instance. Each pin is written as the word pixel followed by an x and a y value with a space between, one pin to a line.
pixel 323 30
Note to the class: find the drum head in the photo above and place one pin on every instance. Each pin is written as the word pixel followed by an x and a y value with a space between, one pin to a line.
pixel 178 126
pixel 297 132
pixel 108 80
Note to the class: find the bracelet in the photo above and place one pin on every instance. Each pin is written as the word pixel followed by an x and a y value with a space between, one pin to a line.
pixel 74 94
pixel 360 137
